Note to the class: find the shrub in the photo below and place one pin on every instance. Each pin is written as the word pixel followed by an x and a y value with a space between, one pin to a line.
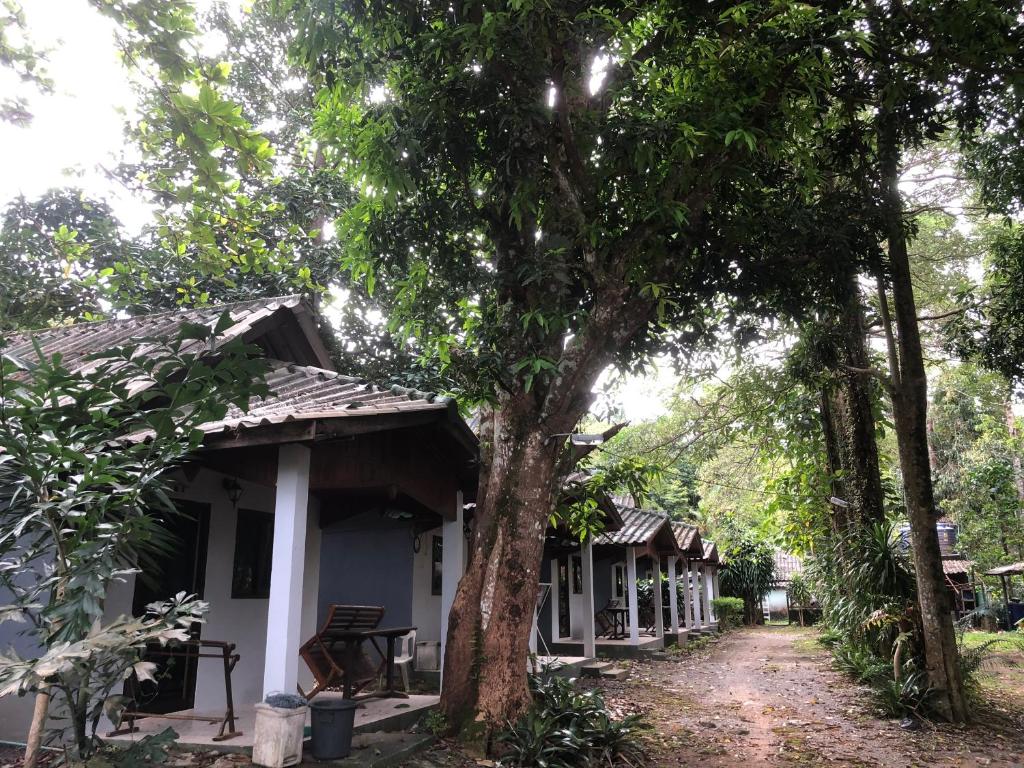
pixel 800 594
pixel 729 611
pixel 898 693
pixel 568 728
pixel 748 573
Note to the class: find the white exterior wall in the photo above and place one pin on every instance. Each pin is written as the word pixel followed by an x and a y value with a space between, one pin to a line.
pixel 426 608
pixel 242 622
pixel 776 604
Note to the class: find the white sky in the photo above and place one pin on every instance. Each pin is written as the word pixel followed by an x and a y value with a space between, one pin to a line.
pixel 78 128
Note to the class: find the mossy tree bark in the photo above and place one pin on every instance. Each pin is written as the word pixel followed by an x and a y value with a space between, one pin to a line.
pixel 854 413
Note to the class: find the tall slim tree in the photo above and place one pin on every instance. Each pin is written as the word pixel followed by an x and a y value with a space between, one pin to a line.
pixel 926 69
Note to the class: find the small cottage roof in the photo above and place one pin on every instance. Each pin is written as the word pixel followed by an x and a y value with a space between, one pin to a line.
pixel 710 553
pixel 688 539
pixel 641 527
pixel 955 565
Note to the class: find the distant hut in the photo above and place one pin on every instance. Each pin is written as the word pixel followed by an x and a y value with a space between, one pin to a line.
pixel 776 603
pixel 957 569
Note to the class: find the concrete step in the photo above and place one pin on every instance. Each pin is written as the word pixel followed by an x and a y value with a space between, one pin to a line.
pixel 614 673
pixel 595 668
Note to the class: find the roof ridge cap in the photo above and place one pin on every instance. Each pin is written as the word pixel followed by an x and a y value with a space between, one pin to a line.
pixel 148 315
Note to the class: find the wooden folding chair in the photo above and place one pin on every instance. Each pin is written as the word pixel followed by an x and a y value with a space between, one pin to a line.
pixel 604 623
pixel 324 653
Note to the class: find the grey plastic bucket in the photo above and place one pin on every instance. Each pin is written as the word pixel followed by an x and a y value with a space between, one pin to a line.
pixel 331 731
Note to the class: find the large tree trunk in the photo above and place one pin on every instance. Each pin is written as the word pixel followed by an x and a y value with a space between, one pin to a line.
pixel 485 665
pixel 910 410
pixel 854 414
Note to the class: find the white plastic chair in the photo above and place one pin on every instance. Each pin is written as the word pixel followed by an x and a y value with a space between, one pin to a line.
pixel 404 653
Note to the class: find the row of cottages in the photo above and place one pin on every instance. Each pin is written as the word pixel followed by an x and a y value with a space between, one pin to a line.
pixel 589 602
pixel 334 491
pixel 330 490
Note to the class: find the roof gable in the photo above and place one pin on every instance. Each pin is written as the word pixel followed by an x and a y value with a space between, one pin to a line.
pixel 688 538
pixel 641 527
pixel 283 327
pixel 710 552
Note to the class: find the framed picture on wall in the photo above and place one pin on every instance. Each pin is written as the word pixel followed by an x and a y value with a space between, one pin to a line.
pixel 435 565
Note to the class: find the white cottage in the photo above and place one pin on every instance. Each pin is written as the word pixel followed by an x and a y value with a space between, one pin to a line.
pixel 330 490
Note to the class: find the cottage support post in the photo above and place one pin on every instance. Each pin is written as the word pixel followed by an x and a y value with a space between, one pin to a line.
pixel 556 632
pixel 695 586
pixel 634 613
pixel 589 634
pixel 288 561
pixel 714 585
pixel 687 599
pixel 673 597
pixel 709 595
pixel 659 609
pixel 452 565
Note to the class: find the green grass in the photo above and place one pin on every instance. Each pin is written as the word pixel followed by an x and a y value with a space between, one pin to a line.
pixel 1004 641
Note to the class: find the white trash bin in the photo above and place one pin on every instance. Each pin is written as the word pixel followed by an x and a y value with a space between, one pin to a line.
pixel 277 738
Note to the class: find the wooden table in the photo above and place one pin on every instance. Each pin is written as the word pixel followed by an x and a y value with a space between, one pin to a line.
pixel 618 620
pixel 353 640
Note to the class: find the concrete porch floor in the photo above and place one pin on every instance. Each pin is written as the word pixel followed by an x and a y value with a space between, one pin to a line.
pixel 614 648
pixel 566 666
pixel 372 716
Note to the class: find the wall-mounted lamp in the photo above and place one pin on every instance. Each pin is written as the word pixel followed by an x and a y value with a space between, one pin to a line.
pixel 233 489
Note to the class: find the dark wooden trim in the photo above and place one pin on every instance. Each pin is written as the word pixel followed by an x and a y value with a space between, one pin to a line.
pixel 263 434
pixel 307 322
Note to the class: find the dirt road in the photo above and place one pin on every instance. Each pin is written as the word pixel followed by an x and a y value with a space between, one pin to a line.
pixel 768 697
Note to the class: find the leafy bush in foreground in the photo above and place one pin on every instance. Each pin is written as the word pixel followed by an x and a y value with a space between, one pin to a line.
pixel 568 728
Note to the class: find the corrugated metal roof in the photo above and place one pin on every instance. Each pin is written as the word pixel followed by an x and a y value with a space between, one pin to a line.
pixel 1013 569
pixel 639 526
pixel 956 565
pixel 76 342
pixel 710 552
pixel 303 392
pixel 786 564
pixel 297 392
pixel 688 538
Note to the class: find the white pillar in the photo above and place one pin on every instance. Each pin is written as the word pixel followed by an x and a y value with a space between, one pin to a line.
pixel 453 552
pixel 634 614
pixel 589 635
pixel 287 565
pixel 714 586
pixel 707 594
pixel 659 606
pixel 687 600
pixel 673 598
pixel 710 578
pixel 695 595
pixel 555 630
